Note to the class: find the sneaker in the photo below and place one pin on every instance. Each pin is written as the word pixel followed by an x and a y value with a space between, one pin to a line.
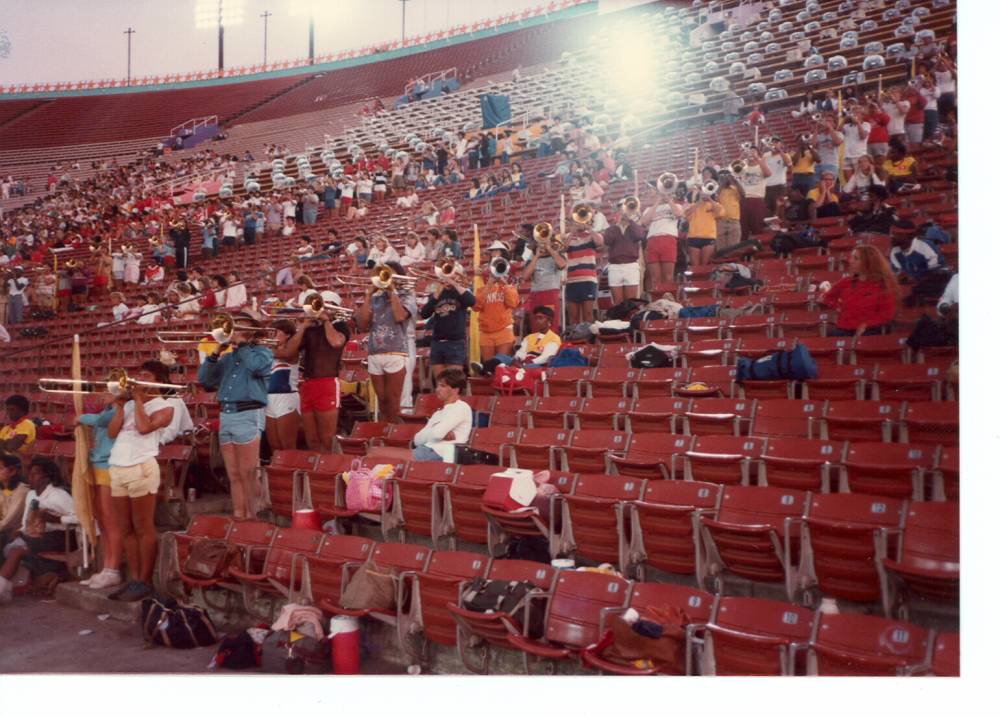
pixel 105 579
pixel 135 591
pixel 116 595
pixel 476 367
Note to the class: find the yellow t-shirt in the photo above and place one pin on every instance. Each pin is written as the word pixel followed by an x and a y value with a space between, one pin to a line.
pixel 25 427
pixel 729 198
pixel 535 343
pixel 701 223
pixel 899 169
pixel 805 165
pixel 814 195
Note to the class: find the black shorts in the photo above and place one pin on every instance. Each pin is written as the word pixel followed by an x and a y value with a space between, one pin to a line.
pixel 448 353
pixel 699 243
pixel 580 291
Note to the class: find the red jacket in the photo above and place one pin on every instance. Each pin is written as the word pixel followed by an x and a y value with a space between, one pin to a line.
pixel 860 302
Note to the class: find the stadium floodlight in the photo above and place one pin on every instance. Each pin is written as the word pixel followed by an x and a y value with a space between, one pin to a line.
pixel 209 14
pixel 310 8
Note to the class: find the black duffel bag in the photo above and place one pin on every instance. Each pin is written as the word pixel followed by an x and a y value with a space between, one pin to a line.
pixel 167 622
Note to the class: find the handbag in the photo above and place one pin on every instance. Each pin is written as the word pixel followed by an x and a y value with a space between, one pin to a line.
pixel 365 488
pixel 167 622
pixel 508 379
pixel 369 589
pixel 290 653
pixel 208 559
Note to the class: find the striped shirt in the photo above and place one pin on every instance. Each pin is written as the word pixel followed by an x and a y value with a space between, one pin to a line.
pixel 581 258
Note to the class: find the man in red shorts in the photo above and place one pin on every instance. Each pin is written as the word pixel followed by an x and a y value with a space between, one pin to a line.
pixel 660 221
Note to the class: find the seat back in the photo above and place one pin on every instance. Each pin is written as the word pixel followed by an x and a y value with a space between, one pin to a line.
pixel 280 473
pixel 889 469
pixel 438 585
pixel 865 645
pixel 574 612
pixel 799 463
pixel 323 480
pixel 591 510
pixel 665 519
pixel 722 459
pixel 288 543
pixel 787 417
pixel 725 416
pixel 326 567
pixel 753 636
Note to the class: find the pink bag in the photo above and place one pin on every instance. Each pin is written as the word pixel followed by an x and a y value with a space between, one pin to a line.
pixel 365 490
pixel 508 379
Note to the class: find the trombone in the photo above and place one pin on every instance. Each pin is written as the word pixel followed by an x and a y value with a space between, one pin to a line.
pixel 118 383
pixel 631 205
pixel 583 214
pixel 222 329
pixel 313 306
pixel 545 235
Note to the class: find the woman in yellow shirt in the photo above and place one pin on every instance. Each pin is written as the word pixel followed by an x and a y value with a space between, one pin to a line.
pixel 19 433
pixel 899 168
pixel 804 161
pixel 701 217
pixel 823 201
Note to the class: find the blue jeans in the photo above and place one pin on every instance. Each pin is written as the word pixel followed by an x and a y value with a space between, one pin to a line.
pixel 423 453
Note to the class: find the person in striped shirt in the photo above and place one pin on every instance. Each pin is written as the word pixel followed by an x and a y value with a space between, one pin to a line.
pixel 582 244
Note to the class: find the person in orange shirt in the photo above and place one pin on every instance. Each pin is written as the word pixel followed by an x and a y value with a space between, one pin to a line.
pixel 495 303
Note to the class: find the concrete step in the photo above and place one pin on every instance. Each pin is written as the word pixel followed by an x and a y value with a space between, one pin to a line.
pixel 78 596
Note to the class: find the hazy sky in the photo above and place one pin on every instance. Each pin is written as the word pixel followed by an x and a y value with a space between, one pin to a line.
pixel 70 40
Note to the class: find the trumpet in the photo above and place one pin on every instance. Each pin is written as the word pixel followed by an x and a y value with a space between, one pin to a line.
pixel 631 205
pixel 817 117
pixel 709 190
pixel 666 182
pixel 737 166
pixel 222 329
pixel 583 214
pixel 384 275
pixel 118 383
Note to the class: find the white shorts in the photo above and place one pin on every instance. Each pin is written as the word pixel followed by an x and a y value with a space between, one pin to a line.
pixel 623 274
pixel 380 364
pixel 281 404
pixel 135 481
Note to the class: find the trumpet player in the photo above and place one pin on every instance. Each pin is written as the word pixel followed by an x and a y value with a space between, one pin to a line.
pixel 386 313
pixel 623 241
pixel 449 304
pixel 582 243
pixel 701 217
pixel 751 171
pixel 239 378
pixel 660 220
pixel 495 304
pixel 544 271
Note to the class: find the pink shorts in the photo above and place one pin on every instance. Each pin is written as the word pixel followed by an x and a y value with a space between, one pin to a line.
pixel 661 248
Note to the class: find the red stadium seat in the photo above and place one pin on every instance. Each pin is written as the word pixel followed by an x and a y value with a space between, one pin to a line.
pixel 536 447
pixel 282 571
pixel 722 459
pixel 890 469
pixel 655 414
pixel 722 376
pixel 462 504
pixel 908 382
pixel 278 478
pixel 658 381
pixel 930 422
pixel 535 520
pixel 800 463
pixel 888 348
pixel 789 418
pixel 386 558
pixel 725 416
pixel 709 352
pixel 357 442
pixel 651 455
pixel 552 412
pixel 864 645
pixel 415 507
pixel 588 449
pixel 613 381
pixel 607 412
pixel 430 592
pixel 322 575
pixel 592 516
pixel 751 636
pixel 837 383
pixel 567 380
pixel 946 476
pixel 860 420
pixel 178 544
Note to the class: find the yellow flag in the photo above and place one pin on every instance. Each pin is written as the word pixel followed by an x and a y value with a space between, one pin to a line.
pixel 477 284
pixel 81 480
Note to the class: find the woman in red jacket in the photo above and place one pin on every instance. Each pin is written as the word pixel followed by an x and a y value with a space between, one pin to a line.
pixel 866 301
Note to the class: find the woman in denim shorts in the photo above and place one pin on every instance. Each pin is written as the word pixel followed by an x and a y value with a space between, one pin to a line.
pixel 240 380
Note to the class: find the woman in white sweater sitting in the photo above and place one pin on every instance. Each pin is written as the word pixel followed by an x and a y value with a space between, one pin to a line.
pixel 449 426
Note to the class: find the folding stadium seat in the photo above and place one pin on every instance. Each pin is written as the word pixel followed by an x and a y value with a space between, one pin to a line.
pixel 462 505
pixel 536 520
pixel 655 413
pixel 386 558
pixel 658 381
pixel 701 329
pixel 801 323
pixel 930 422
pixel 651 455
pixel 357 442
pixel 828 350
pixel 662 526
pixel 507 409
pixel 891 469
pixel 843 383
pixel 573 614
pixel 724 377
pixel 397 436
pixel 865 645
pixel 724 416
pixel 709 352
pixel 946 476
pixel 537 448
pixel 587 449
pixel 755 325
pixel 838 545
pixel 787 418
pixel 176 545
pixel 430 592
pixel 415 505
pixel 423 408
pixel 616 355
pixel 694 605
pixel 483 631
pixel 603 412
pixel 860 420
pixel 612 381
pixel 592 517
pixel 494 439
pixel 281 572
pixel 552 412
pixel 925 563
pixel 278 478
pixel 783 301
pixel 566 380
pixel 887 348
pixel 725 460
pixel 752 636
pixel 945 660
pixel 748 538
pixel 246 538
pixel 799 463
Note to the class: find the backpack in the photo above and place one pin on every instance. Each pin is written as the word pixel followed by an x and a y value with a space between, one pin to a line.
pixel 625 310
pixel 796 365
pixel 651 357
pixel 786 243
pixel 489 596
pixel 569 356
pixel 280 654
pixel 167 622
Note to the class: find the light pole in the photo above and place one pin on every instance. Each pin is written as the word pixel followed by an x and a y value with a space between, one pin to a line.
pixel 212 13
pixel 128 71
pixel 265 15
pixel 402 35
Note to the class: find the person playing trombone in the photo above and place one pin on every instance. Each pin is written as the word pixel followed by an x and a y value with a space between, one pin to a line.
pixel 449 304
pixel 544 271
pixel 385 313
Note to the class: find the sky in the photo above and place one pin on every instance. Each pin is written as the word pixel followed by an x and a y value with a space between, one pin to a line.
pixel 70 40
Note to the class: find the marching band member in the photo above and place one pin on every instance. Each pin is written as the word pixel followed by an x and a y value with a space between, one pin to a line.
pixel 623 240
pixel 752 172
pixel 582 244
pixel 544 271
pixel 385 313
pixel 449 304
pixel 240 379
pixel 661 222
pixel 495 303
pixel 701 217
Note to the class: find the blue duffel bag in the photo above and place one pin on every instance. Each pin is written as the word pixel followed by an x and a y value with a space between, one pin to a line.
pixel 795 365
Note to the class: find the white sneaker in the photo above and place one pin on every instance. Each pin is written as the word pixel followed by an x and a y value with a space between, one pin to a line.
pixel 105 579
pixel 6 591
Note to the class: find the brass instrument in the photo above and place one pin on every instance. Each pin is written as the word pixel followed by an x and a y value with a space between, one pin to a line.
pixel 583 214
pixel 499 268
pixel 221 330
pixel 384 275
pixel 666 182
pixel 709 190
pixel 314 305
pixel 542 232
pixel 118 383
pixel 449 269
pixel 737 166
pixel 631 205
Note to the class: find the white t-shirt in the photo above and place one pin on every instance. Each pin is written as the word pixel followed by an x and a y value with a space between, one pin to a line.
pixel 52 499
pixel 930 95
pixel 752 179
pixel 365 186
pixel 179 423
pixel 454 418
pixel 779 172
pixel 945 81
pixel 229 228
pixel 148 314
pixel 664 221
pixel 119 312
pixel 897 115
pixel 131 447
pixel 16 287
pixel 288 208
pixel 854 145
